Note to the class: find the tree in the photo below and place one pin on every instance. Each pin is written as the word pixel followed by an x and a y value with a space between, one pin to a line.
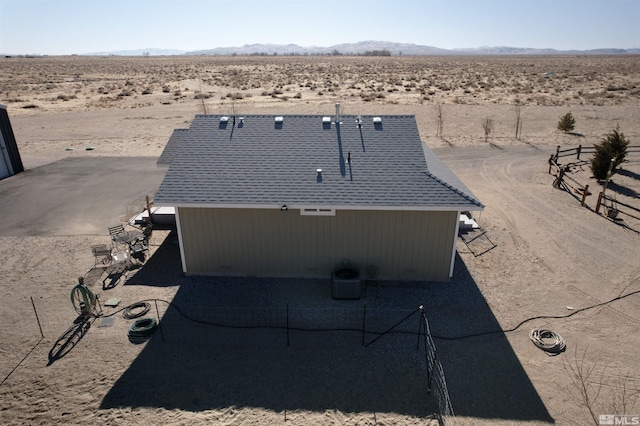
pixel 440 127
pixel 567 123
pixel 612 147
pixel 488 126
pixel 518 121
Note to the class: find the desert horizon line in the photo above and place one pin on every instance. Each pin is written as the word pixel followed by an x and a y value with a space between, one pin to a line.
pixel 356 48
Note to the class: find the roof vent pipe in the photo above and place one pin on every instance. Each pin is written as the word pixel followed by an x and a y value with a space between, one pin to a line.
pixel 337 112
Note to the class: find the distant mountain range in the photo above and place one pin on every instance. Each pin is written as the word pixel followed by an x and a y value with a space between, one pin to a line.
pixel 364 47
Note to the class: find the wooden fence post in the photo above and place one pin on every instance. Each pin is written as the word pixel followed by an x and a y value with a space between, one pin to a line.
pixel 578 151
pixel 599 202
pixel 149 209
pixel 557 152
pixel 551 161
pixel 558 182
pixel 585 192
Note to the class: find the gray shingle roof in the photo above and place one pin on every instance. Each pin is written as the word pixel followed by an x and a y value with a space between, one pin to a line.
pixel 257 163
pixel 172 146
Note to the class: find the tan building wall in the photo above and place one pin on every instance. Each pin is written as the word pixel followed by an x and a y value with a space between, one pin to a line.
pixel 405 245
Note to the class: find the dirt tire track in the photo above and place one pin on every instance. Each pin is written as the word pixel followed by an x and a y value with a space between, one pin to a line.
pixel 614 313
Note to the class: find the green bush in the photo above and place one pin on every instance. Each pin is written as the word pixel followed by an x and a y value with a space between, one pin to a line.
pixel 612 147
pixel 567 123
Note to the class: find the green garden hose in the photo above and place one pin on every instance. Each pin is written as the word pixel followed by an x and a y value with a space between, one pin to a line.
pixel 82 299
pixel 141 329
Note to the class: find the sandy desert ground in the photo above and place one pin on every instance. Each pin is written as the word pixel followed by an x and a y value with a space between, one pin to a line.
pixel 552 256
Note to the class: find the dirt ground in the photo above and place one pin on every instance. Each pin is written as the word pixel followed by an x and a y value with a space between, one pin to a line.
pixel 552 257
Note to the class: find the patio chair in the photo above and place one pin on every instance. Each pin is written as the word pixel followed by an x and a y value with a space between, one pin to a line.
pixel 101 254
pixel 118 234
pixel 371 274
pixel 140 245
pixel 138 249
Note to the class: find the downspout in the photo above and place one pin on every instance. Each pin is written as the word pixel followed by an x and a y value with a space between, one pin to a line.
pixel 179 229
pixel 455 239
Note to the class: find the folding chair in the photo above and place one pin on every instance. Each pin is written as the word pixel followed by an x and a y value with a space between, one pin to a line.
pixel 101 254
pixel 138 249
pixel 140 245
pixel 118 235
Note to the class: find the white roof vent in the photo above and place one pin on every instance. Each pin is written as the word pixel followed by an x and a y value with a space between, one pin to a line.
pixel 224 119
pixel 279 119
pixel 326 119
pixel 377 119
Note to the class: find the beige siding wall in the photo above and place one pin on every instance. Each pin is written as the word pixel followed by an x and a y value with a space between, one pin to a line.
pixel 404 245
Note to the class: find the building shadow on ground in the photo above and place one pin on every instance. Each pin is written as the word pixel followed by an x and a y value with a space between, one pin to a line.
pixel 161 269
pixel 484 375
pixel 289 346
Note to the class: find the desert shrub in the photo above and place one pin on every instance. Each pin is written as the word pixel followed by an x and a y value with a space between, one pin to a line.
pixel 298 96
pixel 30 106
pixel 125 93
pixel 567 122
pixel 611 147
pixel 166 89
pixel 488 126
pixel 201 96
pixel 147 91
pixel 66 97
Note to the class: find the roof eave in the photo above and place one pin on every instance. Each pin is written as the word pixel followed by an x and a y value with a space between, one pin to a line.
pixel 297 206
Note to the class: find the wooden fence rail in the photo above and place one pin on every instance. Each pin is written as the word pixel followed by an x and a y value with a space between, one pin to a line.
pixel 612 207
pixel 589 149
pixel 560 172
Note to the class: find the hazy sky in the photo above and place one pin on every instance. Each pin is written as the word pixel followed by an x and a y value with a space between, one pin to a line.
pixel 82 26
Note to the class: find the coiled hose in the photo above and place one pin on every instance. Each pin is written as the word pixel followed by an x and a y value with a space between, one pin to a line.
pixel 549 341
pixel 131 313
pixel 141 329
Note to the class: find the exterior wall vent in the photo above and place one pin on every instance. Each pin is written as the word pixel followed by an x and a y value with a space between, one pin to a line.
pixel 326 120
pixel 279 119
pixel 224 119
pixel 317 212
pixel 377 120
